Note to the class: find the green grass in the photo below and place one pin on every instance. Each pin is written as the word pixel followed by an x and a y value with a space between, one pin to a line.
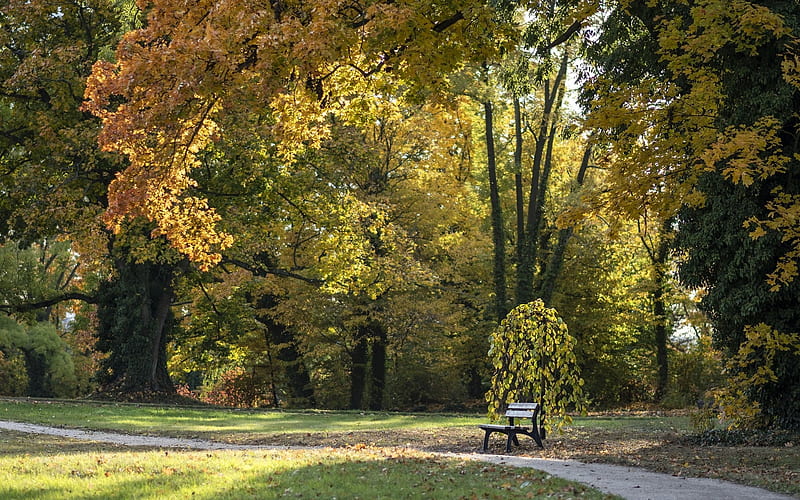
pixel 217 422
pixel 44 467
pixel 648 440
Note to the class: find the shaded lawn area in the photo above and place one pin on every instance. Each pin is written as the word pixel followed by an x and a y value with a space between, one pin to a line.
pixel 47 467
pixel 649 440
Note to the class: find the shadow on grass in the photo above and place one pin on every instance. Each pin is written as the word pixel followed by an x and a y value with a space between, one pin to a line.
pixel 24 444
pixel 41 469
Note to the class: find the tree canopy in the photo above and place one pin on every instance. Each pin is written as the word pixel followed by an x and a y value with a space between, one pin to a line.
pixel 337 202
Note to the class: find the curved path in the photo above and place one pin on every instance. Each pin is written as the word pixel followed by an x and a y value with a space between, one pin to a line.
pixel 627 482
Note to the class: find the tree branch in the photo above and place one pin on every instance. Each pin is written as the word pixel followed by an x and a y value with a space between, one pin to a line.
pixel 443 25
pixel 32 306
pixel 263 271
pixel 565 36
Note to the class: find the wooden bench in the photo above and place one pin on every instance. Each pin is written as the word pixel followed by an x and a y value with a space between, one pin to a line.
pixel 514 412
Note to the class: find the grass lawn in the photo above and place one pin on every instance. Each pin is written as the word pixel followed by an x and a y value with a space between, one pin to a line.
pixel 650 440
pixel 47 467
pixel 44 467
pixel 223 424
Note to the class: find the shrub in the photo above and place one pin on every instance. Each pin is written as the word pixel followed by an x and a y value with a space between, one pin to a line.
pixel 703 419
pixel 238 388
pixel 533 356
pixel 41 355
pixel 752 376
pixel 13 375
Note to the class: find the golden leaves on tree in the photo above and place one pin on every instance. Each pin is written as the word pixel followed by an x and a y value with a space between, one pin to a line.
pixel 293 62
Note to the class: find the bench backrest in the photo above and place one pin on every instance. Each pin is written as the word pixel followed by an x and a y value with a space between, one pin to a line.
pixel 519 414
pixel 522 410
pixel 523 406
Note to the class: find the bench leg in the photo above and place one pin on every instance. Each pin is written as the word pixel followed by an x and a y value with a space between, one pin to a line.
pixel 486 441
pixel 512 436
pixel 537 438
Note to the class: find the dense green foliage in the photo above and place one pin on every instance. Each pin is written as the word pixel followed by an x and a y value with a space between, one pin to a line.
pixel 35 361
pixel 721 254
pixel 715 78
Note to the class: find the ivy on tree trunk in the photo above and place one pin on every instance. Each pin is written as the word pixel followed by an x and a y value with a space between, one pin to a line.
pixel 134 312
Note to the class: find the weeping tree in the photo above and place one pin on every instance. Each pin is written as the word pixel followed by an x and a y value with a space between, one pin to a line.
pixel 533 356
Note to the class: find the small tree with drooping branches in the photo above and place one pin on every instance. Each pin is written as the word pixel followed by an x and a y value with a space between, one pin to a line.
pixel 533 356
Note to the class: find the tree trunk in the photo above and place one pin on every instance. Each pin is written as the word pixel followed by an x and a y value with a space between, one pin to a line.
pixel 378 366
pixel 658 254
pixel 660 317
pixel 37 373
pixel 524 285
pixel 358 370
pixel 498 236
pixel 135 317
pixel 540 177
pixel 553 270
pixel 295 377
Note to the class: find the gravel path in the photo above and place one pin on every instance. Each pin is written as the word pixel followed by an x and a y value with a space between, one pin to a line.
pixel 627 482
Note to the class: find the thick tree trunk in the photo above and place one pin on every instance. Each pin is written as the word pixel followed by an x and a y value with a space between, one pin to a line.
pixel 37 372
pixel 135 317
pixel 294 375
pixel 299 382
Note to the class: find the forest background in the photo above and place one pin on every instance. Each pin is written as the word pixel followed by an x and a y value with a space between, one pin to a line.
pixel 335 203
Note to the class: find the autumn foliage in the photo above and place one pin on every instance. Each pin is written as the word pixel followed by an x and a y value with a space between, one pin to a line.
pixel 303 61
pixel 347 197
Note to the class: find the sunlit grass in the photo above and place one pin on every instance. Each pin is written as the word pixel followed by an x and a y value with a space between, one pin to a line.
pixel 42 467
pixel 184 421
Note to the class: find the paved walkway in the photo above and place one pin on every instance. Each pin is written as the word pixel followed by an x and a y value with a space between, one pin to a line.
pixel 627 482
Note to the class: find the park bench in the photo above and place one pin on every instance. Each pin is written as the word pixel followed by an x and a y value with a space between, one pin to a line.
pixel 515 412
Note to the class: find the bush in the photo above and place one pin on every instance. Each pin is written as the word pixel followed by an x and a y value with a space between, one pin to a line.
pixel 13 375
pixel 238 388
pixel 703 419
pixel 39 356
pixel 533 357
pixel 755 395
